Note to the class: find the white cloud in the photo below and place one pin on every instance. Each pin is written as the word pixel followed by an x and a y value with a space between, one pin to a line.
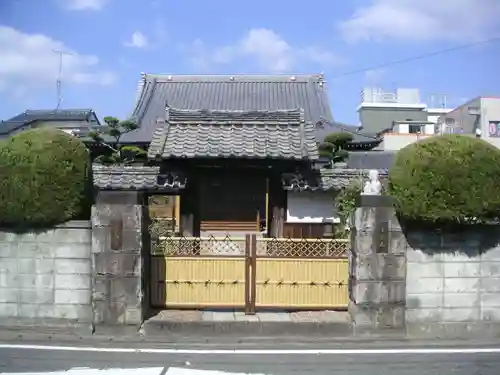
pixel 266 48
pixel 84 4
pixel 137 40
pixel 423 20
pixel 29 61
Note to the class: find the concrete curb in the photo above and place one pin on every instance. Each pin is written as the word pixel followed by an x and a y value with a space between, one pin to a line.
pixel 241 329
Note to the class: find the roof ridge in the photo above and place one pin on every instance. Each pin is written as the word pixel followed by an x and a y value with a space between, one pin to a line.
pixel 232 117
pixel 165 77
pixel 82 110
pixel 236 111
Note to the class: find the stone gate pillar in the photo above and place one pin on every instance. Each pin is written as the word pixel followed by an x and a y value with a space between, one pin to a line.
pixel 118 223
pixel 377 268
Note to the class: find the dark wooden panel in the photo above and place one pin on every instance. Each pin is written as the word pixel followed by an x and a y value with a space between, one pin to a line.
pixel 303 230
pixel 232 196
pixel 230 226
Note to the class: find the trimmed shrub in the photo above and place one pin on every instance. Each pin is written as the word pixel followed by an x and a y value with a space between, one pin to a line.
pixel 44 178
pixel 334 146
pixel 448 179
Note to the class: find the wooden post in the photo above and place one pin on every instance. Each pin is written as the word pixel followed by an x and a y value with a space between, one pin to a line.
pixel 177 213
pixel 278 205
pixel 253 276
pixel 248 274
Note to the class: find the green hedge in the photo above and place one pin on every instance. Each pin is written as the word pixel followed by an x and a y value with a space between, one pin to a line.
pixel 44 178
pixel 449 178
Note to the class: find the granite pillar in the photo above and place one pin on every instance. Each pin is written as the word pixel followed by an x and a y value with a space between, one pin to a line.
pixel 377 261
pixel 118 225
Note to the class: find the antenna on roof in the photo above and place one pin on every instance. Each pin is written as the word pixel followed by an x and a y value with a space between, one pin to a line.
pixel 61 54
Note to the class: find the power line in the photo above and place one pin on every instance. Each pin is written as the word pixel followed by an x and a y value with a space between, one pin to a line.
pixel 414 58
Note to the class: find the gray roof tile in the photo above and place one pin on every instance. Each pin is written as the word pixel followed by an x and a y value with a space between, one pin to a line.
pixel 30 116
pixel 326 179
pixel 238 92
pixel 135 178
pixel 371 159
pixel 228 133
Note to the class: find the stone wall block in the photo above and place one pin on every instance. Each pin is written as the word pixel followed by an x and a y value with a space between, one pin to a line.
pixel 461 284
pixel 489 269
pixel 35 250
pixel 36 296
pixel 379 292
pixel 365 243
pixel 424 315
pixel 491 254
pixel 101 290
pixel 117 289
pixel 72 250
pixel 132 241
pixel 132 217
pixel 101 215
pixel 73 266
pixel 101 239
pixel 462 269
pixel 379 267
pixel 124 290
pixel 118 264
pixel 397 242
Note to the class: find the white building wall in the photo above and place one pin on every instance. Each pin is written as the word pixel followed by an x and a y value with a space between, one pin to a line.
pixel 311 207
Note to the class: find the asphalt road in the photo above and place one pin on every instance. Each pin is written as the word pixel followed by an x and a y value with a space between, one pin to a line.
pixel 254 360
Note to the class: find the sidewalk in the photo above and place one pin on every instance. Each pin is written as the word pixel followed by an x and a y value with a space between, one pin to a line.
pixel 177 326
pixel 203 323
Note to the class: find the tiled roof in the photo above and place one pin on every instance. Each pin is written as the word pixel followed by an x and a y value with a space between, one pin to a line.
pixel 135 178
pixel 371 159
pixel 325 128
pixel 30 116
pixel 238 92
pixel 245 134
pixel 326 179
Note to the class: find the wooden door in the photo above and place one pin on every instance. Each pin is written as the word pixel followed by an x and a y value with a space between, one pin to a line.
pixel 232 201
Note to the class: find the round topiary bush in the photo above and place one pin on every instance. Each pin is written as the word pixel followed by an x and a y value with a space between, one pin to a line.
pixel 44 178
pixel 449 178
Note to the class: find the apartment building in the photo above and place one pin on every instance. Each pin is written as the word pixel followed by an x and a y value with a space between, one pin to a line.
pixel 400 116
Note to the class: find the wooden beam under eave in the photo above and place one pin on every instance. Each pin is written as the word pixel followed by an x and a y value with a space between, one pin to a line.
pixel 177 213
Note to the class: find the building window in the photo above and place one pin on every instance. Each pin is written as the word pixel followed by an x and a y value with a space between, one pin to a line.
pixel 449 121
pixel 414 128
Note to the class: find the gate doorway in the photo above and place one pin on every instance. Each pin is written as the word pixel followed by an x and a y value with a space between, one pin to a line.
pixel 265 273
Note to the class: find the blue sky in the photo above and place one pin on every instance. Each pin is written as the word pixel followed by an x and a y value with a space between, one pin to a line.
pixel 112 41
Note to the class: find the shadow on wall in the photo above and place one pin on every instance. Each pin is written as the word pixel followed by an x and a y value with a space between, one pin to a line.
pixel 470 240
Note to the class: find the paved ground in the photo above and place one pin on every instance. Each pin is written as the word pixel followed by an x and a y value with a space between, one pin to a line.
pixel 238 316
pixel 257 359
pixel 206 323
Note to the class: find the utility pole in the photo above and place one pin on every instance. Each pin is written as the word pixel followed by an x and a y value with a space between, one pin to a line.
pixel 61 54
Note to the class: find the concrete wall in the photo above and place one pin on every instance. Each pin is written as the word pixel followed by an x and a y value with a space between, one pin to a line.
pixel 395 142
pixel 453 282
pixel 461 118
pixel 45 278
pixel 490 112
pixel 424 282
pixel 374 120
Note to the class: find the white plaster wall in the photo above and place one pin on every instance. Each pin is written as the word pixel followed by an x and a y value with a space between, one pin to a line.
pixel 311 207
